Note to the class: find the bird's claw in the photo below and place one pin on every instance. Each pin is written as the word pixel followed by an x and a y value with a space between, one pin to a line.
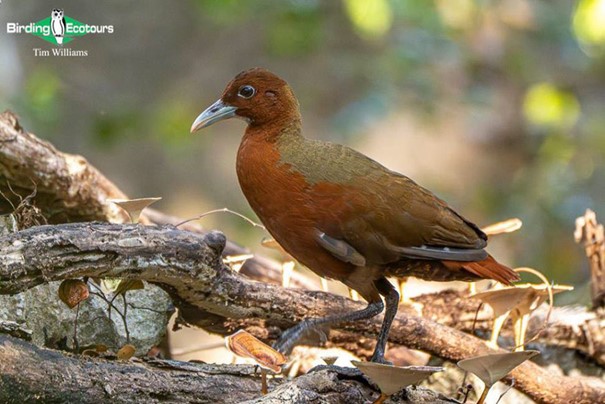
pixel 378 357
pixel 381 361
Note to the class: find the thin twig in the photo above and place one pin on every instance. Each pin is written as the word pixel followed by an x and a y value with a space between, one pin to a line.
pixel 462 389
pixel 8 200
pixel 124 318
pixel 101 295
pixel 512 384
pixel 134 306
pixel 75 337
pixel 110 305
pixel 223 210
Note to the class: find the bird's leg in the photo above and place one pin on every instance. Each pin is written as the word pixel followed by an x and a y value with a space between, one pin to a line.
pixel 289 337
pixel 391 297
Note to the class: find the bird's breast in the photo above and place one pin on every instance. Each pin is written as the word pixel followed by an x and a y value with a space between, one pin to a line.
pixel 283 200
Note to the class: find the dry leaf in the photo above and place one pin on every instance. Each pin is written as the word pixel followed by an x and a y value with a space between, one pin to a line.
pixel 110 285
pixel 330 360
pixel 522 297
pixel 236 262
pixel 101 348
pixel 505 226
pixel 271 243
pixel 134 207
pixel 72 292
pixel 246 345
pixel 154 352
pixel 391 379
pixel 129 284
pixel 519 301
pixel 126 352
pixel 90 352
pixel 493 367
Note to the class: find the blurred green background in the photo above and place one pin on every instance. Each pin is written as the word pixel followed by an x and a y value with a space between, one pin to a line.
pixel 496 106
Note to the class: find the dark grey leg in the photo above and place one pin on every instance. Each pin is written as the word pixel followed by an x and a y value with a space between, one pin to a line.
pixel 391 297
pixel 289 337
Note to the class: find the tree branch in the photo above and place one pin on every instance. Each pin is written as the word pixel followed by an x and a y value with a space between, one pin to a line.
pixel 188 266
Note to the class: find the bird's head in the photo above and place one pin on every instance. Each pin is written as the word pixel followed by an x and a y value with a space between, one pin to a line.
pixel 257 96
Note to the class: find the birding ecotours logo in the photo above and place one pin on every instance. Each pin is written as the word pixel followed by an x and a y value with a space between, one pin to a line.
pixel 57 29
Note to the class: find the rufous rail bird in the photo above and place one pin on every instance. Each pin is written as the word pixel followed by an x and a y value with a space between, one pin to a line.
pixel 340 213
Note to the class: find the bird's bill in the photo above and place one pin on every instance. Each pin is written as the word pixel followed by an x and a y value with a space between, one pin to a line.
pixel 214 113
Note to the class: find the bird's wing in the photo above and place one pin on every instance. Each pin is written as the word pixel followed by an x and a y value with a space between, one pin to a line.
pixel 384 216
pixel 340 249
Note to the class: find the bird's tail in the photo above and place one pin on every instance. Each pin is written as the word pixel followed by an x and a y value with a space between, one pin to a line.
pixel 489 268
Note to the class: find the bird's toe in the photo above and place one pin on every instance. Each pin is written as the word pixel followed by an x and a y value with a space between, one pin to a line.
pixel 380 359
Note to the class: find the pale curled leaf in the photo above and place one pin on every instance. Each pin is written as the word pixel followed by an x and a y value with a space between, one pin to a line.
pixel 272 244
pixel 523 297
pixel 134 207
pixel 73 291
pixel 493 367
pixel 505 226
pixel 503 299
pixel 110 285
pixel 246 345
pixel 237 259
pixel 236 262
pixel 391 379
pixel 119 285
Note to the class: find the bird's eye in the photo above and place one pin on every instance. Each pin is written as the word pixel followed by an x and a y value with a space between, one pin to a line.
pixel 246 91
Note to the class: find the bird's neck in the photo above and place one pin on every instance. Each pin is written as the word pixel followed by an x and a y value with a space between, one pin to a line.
pixel 274 131
pixel 260 146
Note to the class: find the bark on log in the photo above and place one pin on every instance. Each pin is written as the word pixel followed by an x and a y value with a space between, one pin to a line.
pixel 188 266
pixel 30 373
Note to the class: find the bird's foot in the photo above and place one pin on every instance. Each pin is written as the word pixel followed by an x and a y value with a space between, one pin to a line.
pixel 291 336
pixel 378 357
pixel 287 340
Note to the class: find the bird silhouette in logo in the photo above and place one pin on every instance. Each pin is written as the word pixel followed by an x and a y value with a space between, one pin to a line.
pixel 57 24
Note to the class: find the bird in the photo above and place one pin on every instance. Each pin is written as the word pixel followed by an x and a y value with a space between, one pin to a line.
pixel 340 213
pixel 57 24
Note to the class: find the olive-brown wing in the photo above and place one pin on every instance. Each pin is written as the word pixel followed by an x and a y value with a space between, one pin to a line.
pixel 387 216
